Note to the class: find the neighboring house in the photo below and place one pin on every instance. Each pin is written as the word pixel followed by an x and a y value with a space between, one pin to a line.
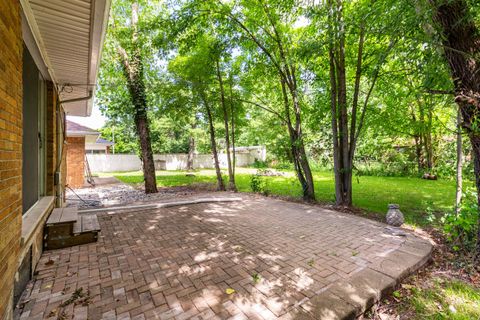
pixel 78 137
pixel 101 146
pixel 49 59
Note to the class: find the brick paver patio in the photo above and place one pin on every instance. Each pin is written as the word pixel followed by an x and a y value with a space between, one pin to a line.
pixel 180 262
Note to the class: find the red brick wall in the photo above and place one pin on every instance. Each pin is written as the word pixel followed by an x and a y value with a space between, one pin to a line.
pixel 11 47
pixel 75 161
pixel 51 138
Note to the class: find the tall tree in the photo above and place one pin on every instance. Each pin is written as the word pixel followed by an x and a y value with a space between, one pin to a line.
pixel 133 71
pixel 266 27
pixel 123 93
pixel 460 37
pixel 223 104
pixel 196 69
pixel 348 117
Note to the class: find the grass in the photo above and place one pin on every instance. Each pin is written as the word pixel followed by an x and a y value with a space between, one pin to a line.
pixel 444 299
pixel 417 198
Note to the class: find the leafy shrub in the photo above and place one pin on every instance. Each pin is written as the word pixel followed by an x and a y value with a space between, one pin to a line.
pixel 397 168
pixel 259 164
pixel 461 228
pixel 258 183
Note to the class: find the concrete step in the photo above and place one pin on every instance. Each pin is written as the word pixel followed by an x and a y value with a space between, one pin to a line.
pixel 66 227
pixel 86 223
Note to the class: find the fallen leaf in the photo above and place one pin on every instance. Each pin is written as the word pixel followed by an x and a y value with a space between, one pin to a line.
pixel 230 291
pixel 407 286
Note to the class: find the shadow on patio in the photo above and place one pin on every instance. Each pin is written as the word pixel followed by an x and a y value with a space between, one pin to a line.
pixel 255 259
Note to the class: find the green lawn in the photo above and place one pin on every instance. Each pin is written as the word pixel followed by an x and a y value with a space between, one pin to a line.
pixel 417 197
pixel 443 299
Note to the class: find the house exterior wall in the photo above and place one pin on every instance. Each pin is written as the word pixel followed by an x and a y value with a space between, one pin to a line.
pixel 51 138
pixel 33 220
pixel 75 161
pixel 10 149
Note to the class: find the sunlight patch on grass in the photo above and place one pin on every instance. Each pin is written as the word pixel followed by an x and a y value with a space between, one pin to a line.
pixel 446 299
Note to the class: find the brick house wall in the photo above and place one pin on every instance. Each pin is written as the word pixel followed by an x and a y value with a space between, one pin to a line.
pixel 51 138
pixel 10 148
pixel 75 161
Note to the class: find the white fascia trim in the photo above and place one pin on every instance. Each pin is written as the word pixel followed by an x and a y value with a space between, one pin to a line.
pixel 82 133
pixel 32 23
pixel 98 28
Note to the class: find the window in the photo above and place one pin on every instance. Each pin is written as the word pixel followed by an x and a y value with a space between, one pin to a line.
pixel 34 129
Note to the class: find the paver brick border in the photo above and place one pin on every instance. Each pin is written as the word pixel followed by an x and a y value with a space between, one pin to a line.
pixel 350 298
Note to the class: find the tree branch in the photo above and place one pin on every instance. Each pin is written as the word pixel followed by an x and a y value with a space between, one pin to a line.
pixel 375 77
pixel 264 108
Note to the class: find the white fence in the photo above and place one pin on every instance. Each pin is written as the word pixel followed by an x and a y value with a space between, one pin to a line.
pixel 130 162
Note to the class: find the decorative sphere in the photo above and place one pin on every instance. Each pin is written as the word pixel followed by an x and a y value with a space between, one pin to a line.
pixel 394 215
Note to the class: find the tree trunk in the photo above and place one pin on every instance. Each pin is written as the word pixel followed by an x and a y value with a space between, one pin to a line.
pixel 461 44
pixel 336 147
pixel 427 136
pixel 232 112
pixel 417 137
pixel 299 156
pixel 418 152
pixel 309 187
pixel 133 71
pixel 342 152
pixel 213 143
pixel 143 130
pixel 459 186
pixel 191 150
pixel 345 137
pixel 231 177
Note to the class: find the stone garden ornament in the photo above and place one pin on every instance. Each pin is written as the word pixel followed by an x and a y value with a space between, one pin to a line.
pixel 394 215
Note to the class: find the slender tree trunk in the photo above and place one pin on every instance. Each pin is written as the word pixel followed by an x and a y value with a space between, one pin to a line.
pixel 427 136
pixel 191 149
pixel 309 192
pixel 418 152
pixel 417 137
pixel 459 191
pixel 345 137
pixel 299 157
pixel 133 71
pixel 213 143
pixel 231 177
pixel 461 44
pixel 431 159
pixel 232 112
pixel 343 154
pixel 336 147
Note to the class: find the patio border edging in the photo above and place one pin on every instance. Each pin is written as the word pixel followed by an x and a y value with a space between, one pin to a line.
pixel 160 205
pixel 350 298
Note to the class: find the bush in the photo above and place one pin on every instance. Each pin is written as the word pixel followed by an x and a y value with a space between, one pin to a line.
pixel 259 164
pixel 461 228
pixel 388 169
pixel 258 183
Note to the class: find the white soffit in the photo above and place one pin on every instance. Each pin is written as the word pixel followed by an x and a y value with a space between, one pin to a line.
pixel 69 34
